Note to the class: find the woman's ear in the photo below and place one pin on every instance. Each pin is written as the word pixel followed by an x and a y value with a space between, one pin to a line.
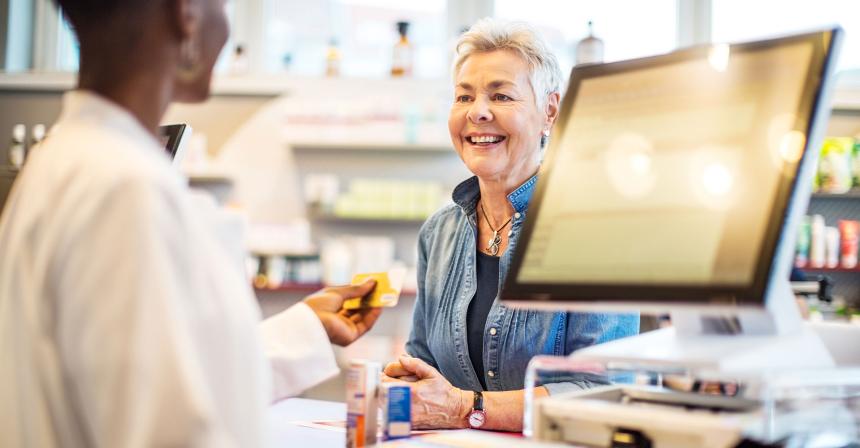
pixel 552 108
pixel 186 17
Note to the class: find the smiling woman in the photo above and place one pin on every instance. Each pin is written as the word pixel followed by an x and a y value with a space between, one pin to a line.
pixel 495 122
pixel 464 341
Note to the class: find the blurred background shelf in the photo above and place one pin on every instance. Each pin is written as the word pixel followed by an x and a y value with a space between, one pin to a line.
pixel 853 194
pixel 307 288
pixel 836 207
pixel 298 288
pixel 337 219
pixel 393 147
pixel 830 270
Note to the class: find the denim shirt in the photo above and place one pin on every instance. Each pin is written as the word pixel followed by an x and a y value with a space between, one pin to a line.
pixel 447 283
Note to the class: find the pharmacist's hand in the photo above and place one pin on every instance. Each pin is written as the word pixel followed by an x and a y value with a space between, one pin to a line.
pixel 436 404
pixel 343 326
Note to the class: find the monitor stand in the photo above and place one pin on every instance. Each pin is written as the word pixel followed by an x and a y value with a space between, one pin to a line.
pixel 738 343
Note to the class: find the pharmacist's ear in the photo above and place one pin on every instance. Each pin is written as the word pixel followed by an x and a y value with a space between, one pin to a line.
pixel 552 109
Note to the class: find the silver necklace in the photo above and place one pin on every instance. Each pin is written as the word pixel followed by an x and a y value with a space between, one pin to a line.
pixel 496 240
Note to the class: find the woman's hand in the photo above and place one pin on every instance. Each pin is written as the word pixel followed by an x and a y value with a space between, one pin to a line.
pixel 343 326
pixel 436 404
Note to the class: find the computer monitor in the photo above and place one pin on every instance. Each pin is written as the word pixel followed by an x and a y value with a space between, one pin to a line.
pixel 677 180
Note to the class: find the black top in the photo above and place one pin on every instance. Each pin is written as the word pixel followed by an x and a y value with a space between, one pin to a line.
pixel 479 309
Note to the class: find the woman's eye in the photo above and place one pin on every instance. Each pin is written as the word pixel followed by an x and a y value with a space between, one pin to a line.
pixel 502 97
pixel 464 99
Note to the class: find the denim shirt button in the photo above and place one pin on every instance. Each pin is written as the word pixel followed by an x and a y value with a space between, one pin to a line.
pixel 491 374
pixel 518 215
pixel 493 331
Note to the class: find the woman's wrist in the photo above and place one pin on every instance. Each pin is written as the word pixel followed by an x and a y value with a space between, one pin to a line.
pixel 466 399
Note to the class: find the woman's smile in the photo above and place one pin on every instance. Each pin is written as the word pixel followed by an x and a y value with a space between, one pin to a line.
pixel 484 141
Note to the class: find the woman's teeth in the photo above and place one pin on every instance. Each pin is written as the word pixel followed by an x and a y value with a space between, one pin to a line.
pixel 485 139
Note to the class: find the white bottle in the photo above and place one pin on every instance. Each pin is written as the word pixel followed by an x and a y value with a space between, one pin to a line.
pixel 831 242
pixel 817 251
pixel 590 49
pixel 18 150
pixel 37 134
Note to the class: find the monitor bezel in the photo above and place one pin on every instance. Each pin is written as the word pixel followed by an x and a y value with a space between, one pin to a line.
pixel 789 195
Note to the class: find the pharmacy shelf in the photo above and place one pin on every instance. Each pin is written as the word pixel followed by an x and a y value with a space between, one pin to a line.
pixel 336 219
pixel 852 194
pixel 373 147
pixel 210 179
pixel 294 287
pixel 307 288
pixel 827 270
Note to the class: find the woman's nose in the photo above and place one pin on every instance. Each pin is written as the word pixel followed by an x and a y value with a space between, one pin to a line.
pixel 480 112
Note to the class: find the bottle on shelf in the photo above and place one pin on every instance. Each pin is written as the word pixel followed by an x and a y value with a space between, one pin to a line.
pixel 834 165
pixel 332 59
pixel 17 148
pixel 239 65
pixel 855 163
pixel 849 231
pixel 590 49
pixel 401 63
pixel 817 252
pixel 37 134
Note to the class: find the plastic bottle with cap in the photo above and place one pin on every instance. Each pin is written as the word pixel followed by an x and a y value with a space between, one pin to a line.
pixel 401 63
pixel 332 59
pixel 590 49
pixel 17 149
pixel 37 134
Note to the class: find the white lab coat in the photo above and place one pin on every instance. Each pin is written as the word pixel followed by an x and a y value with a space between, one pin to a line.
pixel 123 321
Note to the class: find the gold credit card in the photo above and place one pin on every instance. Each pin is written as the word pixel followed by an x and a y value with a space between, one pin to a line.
pixel 385 294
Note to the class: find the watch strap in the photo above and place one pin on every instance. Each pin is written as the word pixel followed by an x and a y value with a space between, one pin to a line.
pixel 478 403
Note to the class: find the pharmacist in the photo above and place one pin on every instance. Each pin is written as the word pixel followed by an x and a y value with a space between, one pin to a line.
pixel 123 320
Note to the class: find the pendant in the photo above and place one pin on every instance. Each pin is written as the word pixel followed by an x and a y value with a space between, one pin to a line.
pixel 493 244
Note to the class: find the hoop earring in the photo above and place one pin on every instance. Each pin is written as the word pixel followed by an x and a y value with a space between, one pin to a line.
pixel 189 60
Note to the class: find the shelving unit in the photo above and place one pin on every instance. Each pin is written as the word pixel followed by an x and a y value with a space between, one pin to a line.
pixel 362 220
pixel 307 288
pixel 401 161
pixel 851 195
pixel 297 288
pixel 372 147
pixel 835 207
pixel 829 270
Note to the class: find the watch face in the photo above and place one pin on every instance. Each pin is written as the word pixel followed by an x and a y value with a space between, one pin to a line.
pixel 477 419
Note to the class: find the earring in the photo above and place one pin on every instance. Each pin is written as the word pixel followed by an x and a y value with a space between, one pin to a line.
pixel 546 132
pixel 189 60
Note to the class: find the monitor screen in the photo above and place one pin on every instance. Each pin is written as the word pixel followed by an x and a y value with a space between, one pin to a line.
pixel 669 178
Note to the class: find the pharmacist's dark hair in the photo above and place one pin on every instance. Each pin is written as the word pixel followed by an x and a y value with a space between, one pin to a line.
pixel 83 14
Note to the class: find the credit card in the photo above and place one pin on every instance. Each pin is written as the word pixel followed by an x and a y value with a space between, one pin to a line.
pixel 385 294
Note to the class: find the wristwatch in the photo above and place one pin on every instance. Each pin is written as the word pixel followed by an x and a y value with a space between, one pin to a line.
pixel 477 417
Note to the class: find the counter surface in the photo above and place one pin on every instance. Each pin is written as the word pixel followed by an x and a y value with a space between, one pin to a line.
pixel 285 432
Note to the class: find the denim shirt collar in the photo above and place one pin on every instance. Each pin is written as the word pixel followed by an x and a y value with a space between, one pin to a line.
pixel 466 194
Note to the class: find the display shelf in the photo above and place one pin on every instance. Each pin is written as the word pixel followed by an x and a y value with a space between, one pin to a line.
pixel 826 270
pixel 373 147
pixel 210 179
pixel 336 219
pixel 307 288
pixel 851 194
pixel 293 287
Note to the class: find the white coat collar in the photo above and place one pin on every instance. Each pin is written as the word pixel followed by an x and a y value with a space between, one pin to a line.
pixel 87 106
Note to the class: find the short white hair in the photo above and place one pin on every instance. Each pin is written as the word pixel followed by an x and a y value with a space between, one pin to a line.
pixel 488 35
